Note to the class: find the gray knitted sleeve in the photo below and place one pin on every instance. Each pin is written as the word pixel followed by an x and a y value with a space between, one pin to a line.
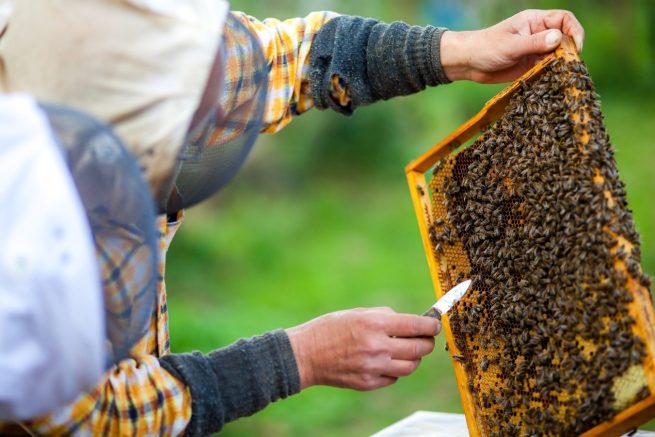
pixel 372 61
pixel 235 381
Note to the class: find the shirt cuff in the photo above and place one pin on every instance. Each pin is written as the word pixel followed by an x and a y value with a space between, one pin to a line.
pixel 435 50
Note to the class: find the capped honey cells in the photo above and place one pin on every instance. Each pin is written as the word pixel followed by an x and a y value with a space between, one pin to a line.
pixel 535 214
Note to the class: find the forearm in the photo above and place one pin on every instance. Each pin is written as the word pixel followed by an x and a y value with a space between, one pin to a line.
pixel 237 380
pixel 356 61
pixel 342 62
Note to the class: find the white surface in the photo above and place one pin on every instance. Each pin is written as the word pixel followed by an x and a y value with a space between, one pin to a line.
pixel 51 312
pixel 428 423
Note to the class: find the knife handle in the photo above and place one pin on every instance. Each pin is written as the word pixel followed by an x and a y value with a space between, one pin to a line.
pixel 433 312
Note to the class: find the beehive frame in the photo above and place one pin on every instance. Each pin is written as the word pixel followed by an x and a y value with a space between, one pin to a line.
pixel 641 308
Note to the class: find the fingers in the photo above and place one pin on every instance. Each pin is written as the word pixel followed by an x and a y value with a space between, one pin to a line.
pixel 411 348
pixel 373 383
pixel 567 23
pixel 409 325
pixel 387 310
pixel 398 368
pixel 535 44
pixel 537 21
pixel 393 370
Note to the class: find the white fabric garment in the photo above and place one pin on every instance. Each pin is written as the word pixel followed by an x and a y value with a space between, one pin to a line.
pixel 52 327
pixel 138 65
pixel 6 8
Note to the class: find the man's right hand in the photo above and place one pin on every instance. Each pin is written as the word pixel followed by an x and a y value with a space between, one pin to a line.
pixel 363 349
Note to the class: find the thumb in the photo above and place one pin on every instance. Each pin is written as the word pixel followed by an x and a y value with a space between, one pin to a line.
pixel 538 43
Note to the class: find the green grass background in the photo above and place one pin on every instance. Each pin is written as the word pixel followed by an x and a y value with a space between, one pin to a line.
pixel 320 218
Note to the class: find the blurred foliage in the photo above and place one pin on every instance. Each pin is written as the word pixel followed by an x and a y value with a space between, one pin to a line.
pixel 320 217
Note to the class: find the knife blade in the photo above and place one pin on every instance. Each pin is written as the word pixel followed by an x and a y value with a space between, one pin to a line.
pixel 448 300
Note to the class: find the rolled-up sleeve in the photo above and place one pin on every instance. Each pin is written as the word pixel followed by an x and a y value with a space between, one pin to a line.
pixel 286 45
pixel 136 397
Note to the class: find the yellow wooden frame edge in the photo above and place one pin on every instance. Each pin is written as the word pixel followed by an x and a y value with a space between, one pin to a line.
pixel 627 419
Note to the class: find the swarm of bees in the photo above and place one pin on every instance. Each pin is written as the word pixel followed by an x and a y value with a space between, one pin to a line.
pixel 534 212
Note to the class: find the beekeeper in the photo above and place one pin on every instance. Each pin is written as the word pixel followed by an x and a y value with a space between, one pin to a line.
pixel 188 87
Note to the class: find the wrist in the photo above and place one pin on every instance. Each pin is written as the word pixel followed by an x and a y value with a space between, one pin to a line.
pixel 303 355
pixel 455 55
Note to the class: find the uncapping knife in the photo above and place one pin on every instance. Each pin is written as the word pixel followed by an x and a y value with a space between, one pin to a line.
pixel 448 300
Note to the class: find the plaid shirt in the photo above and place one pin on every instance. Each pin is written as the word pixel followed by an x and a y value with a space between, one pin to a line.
pixel 139 397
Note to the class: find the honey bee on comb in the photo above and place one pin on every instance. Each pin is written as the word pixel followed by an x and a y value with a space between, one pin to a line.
pixel 535 213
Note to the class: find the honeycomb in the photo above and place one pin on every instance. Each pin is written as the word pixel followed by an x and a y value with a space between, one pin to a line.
pixel 533 211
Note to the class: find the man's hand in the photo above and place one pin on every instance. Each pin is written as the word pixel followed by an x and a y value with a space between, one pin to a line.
pixel 363 349
pixel 503 52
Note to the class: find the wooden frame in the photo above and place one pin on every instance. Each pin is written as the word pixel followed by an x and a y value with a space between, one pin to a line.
pixel 642 308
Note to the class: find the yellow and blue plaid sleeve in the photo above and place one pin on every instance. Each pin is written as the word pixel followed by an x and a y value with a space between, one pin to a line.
pixel 136 398
pixel 286 45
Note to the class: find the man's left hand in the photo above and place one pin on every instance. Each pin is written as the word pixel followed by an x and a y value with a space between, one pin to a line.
pixel 505 51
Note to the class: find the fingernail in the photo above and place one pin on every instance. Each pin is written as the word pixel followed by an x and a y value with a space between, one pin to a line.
pixel 553 37
pixel 579 42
